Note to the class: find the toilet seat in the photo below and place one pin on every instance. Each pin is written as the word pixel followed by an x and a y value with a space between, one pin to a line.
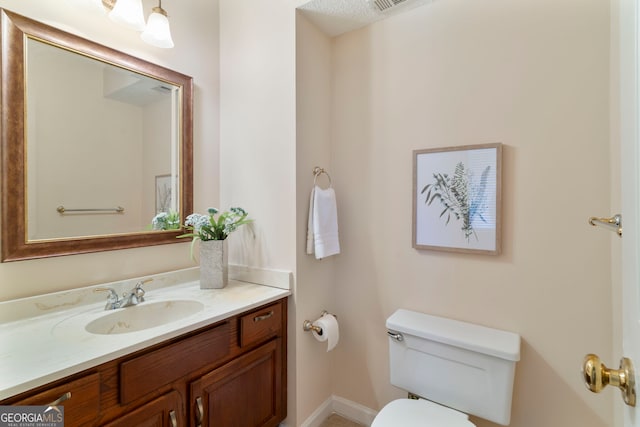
pixel 419 413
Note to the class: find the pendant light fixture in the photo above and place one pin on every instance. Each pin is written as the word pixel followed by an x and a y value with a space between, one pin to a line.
pixel 157 32
pixel 129 14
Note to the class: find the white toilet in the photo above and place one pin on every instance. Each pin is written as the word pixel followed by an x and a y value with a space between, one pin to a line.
pixel 456 368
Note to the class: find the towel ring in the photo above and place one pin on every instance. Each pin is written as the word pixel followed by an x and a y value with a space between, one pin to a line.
pixel 317 171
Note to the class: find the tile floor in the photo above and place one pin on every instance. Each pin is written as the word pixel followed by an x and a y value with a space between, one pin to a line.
pixel 336 420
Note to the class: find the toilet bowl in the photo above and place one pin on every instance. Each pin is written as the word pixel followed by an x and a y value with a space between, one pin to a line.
pixel 419 413
pixel 457 368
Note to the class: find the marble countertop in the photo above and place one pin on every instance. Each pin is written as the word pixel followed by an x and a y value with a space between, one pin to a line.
pixel 43 338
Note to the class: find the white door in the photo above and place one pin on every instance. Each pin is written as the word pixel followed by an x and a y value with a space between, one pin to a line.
pixel 624 103
pixel 630 189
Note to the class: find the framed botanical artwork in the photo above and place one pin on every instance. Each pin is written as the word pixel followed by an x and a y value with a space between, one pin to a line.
pixel 163 193
pixel 457 201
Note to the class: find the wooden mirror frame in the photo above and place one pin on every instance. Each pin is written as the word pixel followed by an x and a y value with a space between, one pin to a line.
pixel 15 245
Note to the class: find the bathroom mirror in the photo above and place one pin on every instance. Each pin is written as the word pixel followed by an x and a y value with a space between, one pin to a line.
pixel 96 144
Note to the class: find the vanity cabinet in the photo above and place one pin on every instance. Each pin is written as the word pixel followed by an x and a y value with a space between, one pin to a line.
pixel 249 390
pixel 241 393
pixel 79 395
pixel 231 373
pixel 165 411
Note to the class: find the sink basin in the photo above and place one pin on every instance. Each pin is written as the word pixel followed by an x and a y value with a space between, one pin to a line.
pixel 144 316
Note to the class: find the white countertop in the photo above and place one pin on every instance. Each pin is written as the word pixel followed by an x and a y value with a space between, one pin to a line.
pixel 51 343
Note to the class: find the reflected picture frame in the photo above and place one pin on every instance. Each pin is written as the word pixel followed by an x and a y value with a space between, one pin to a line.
pixel 457 199
pixel 163 193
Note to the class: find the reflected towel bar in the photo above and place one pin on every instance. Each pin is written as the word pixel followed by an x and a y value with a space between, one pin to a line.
pixel 63 210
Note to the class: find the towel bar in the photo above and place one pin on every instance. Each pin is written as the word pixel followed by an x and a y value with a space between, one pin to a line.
pixel 62 210
pixel 317 171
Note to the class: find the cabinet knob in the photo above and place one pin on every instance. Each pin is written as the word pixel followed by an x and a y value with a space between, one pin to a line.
pixel 173 419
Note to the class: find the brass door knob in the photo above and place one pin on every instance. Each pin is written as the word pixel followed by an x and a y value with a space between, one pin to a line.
pixel 597 376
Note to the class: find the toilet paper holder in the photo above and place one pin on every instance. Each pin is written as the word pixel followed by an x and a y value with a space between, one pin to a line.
pixel 309 326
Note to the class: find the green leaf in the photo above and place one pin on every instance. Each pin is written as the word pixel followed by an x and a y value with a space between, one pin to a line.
pixel 435 196
pixel 193 242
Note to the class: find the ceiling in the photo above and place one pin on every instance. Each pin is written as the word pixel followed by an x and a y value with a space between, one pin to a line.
pixel 335 17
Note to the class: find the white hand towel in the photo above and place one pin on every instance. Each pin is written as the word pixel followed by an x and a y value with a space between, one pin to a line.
pixel 322 235
pixel 310 242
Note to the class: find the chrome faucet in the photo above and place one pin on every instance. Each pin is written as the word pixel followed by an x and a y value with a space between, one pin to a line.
pixel 133 297
pixel 113 301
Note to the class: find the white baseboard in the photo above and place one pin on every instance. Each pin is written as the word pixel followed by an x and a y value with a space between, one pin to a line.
pixel 320 414
pixel 343 407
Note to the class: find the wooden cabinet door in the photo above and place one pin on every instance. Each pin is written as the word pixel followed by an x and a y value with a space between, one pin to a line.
pixel 165 411
pixel 80 399
pixel 246 392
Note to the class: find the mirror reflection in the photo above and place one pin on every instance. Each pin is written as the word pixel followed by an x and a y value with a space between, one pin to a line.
pixel 97 145
pixel 102 146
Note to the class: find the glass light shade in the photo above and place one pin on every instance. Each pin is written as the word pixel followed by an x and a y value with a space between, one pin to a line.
pixel 98 6
pixel 158 32
pixel 128 13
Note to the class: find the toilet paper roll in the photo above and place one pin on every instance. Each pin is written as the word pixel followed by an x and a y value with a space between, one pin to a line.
pixel 330 331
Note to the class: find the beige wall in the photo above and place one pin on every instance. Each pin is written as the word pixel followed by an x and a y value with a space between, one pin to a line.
pixel 401 85
pixel 195 29
pixel 316 279
pixel 257 141
pixel 69 165
pixel 533 75
pixel 257 127
pixel 157 120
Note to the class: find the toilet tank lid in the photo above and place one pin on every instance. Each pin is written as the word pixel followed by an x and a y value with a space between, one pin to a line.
pixel 481 339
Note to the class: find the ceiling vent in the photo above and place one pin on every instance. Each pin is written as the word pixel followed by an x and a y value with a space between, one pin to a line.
pixel 384 5
pixel 162 89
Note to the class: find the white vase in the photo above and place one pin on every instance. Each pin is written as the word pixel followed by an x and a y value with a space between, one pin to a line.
pixel 213 264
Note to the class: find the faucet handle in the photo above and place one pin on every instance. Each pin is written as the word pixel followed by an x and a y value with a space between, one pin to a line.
pixel 112 292
pixel 143 282
pixel 112 299
pixel 138 291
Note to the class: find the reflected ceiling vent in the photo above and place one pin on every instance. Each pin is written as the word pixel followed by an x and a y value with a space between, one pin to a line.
pixel 162 89
pixel 384 5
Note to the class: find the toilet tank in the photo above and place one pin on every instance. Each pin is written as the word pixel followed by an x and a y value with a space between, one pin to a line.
pixel 456 364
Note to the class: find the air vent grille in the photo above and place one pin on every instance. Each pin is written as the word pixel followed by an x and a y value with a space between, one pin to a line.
pixel 383 5
pixel 162 89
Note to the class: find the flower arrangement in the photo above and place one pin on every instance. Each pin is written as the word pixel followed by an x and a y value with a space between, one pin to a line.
pixel 214 228
pixel 166 221
pixel 208 227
